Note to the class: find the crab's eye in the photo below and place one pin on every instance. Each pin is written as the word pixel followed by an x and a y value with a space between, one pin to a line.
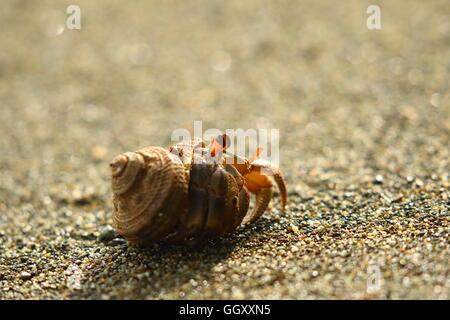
pixel 219 144
pixel 223 141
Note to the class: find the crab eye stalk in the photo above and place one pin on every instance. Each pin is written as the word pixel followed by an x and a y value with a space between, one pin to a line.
pixel 219 144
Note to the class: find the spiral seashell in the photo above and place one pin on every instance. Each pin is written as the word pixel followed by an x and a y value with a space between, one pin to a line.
pixel 149 187
pixel 180 195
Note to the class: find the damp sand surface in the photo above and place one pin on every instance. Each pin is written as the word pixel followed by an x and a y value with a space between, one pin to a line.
pixel 364 145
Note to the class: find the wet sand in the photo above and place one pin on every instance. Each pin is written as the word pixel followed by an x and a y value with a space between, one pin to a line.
pixel 364 140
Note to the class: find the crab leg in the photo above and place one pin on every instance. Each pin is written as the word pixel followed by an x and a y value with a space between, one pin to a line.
pixel 194 220
pixel 222 208
pixel 262 201
pixel 243 197
pixel 272 170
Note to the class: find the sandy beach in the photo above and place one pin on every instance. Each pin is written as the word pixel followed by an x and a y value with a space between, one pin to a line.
pixel 364 122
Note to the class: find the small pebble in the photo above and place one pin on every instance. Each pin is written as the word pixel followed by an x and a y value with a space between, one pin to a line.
pixel 107 234
pixel 410 179
pixel 117 241
pixel 294 229
pixel 25 275
pixel 379 179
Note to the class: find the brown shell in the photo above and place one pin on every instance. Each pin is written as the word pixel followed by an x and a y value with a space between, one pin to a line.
pixel 149 187
pixel 179 195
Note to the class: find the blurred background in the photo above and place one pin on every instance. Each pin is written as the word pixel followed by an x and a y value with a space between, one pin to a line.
pixel 354 107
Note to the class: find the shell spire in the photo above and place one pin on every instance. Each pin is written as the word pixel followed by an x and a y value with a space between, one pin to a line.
pixel 148 186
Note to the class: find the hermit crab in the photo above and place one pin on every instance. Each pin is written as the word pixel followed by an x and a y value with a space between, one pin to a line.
pixel 189 192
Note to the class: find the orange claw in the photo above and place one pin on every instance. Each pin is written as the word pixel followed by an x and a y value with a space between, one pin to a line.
pixel 279 179
pixel 256 181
